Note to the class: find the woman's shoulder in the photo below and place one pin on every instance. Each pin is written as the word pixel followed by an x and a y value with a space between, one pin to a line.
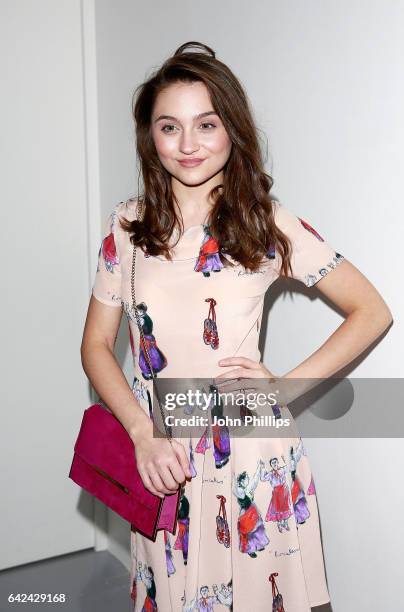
pixel 127 209
pixel 121 212
pixel 283 217
pixel 293 225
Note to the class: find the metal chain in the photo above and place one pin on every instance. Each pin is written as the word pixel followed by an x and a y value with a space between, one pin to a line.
pixel 168 430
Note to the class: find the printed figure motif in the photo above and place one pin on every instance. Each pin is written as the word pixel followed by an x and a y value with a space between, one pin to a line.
pixel 209 259
pixel 146 575
pixel 192 460
pixel 157 357
pixel 206 601
pixel 210 334
pixel 312 489
pixel 311 279
pixel 169 554
pixel 140 390
pixel 250 527
pixel 298 498
pixel 311 229
pixel 220 433
pixel 133 593
pixel 271 252
pixel 277 599
pixel 204 442
pixel 108 246
pixel 181 543
pixel 280 508
pixel 222 526
pixel 225 595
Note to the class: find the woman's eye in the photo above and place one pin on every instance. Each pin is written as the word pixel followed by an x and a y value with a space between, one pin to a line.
pixel 212 124
pixel 163 129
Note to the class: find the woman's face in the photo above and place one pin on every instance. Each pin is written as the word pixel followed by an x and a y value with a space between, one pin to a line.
pixel 184 126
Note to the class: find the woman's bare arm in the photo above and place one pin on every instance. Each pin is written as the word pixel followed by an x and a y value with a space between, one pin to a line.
pixel 367 317
pixel 102 368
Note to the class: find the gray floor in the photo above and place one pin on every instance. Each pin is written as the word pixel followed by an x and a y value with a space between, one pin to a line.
pixel 92 581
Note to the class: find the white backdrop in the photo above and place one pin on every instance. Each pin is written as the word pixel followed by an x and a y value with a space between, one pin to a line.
pixel 45 264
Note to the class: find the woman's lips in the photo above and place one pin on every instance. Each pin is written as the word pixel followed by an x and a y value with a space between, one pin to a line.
pixel 190 163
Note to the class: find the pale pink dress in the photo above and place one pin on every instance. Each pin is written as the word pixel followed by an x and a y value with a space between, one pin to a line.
pixel 272 551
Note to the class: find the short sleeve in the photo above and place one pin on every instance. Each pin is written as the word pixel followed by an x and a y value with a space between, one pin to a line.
pixel 312 257
pixel 107 281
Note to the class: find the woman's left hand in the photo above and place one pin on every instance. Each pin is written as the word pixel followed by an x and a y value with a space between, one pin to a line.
pixel 247 369
pixel 249 377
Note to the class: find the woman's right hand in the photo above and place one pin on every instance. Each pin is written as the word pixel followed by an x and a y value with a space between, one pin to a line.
pixel 162 465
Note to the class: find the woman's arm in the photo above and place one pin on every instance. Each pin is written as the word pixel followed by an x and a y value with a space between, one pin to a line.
pixel 367 317
pixel 102 368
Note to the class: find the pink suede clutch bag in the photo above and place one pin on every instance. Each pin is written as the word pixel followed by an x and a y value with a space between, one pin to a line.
pixel 104 464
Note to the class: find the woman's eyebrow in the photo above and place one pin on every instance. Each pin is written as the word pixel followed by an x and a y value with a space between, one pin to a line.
pixel 205 114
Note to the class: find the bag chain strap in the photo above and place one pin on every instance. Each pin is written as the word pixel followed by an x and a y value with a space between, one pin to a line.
pixel 168 430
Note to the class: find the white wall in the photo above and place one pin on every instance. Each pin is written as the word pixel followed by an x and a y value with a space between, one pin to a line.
pixel 46 287
pixel 325 80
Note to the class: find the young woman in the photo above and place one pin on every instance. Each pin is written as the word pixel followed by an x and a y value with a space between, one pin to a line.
pixel 210 245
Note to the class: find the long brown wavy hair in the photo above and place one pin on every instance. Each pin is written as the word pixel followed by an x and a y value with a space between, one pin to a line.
pixel 241 219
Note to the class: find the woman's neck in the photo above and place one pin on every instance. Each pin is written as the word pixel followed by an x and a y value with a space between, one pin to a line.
pixel 194 205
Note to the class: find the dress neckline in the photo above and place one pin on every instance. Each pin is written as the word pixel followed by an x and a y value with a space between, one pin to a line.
pixel 197 225
pixel 189 243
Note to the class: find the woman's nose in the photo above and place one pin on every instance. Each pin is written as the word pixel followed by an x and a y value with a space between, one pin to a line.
pixel 189 141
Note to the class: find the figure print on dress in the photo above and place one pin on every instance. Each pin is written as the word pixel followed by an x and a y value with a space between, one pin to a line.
pixel 181 543
pixel 204 442
pixel 312 489
pixel 311 279
pixel 210 334
pixel 220 433
pixel 209 259
pixel 157 357
pixel 206 601
pixel 299 501
pixel 169 554
pixel 280 507
pixel 331 264
pixel 108 246
pixel 225 595
pixel 245 412
pixel 140 391
pixel 311 229
pixel 192 460
pixel 146 575
pixel 271 252
pixel 277 599
pixel 133 592
pixel 250 526
pixel 222 526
